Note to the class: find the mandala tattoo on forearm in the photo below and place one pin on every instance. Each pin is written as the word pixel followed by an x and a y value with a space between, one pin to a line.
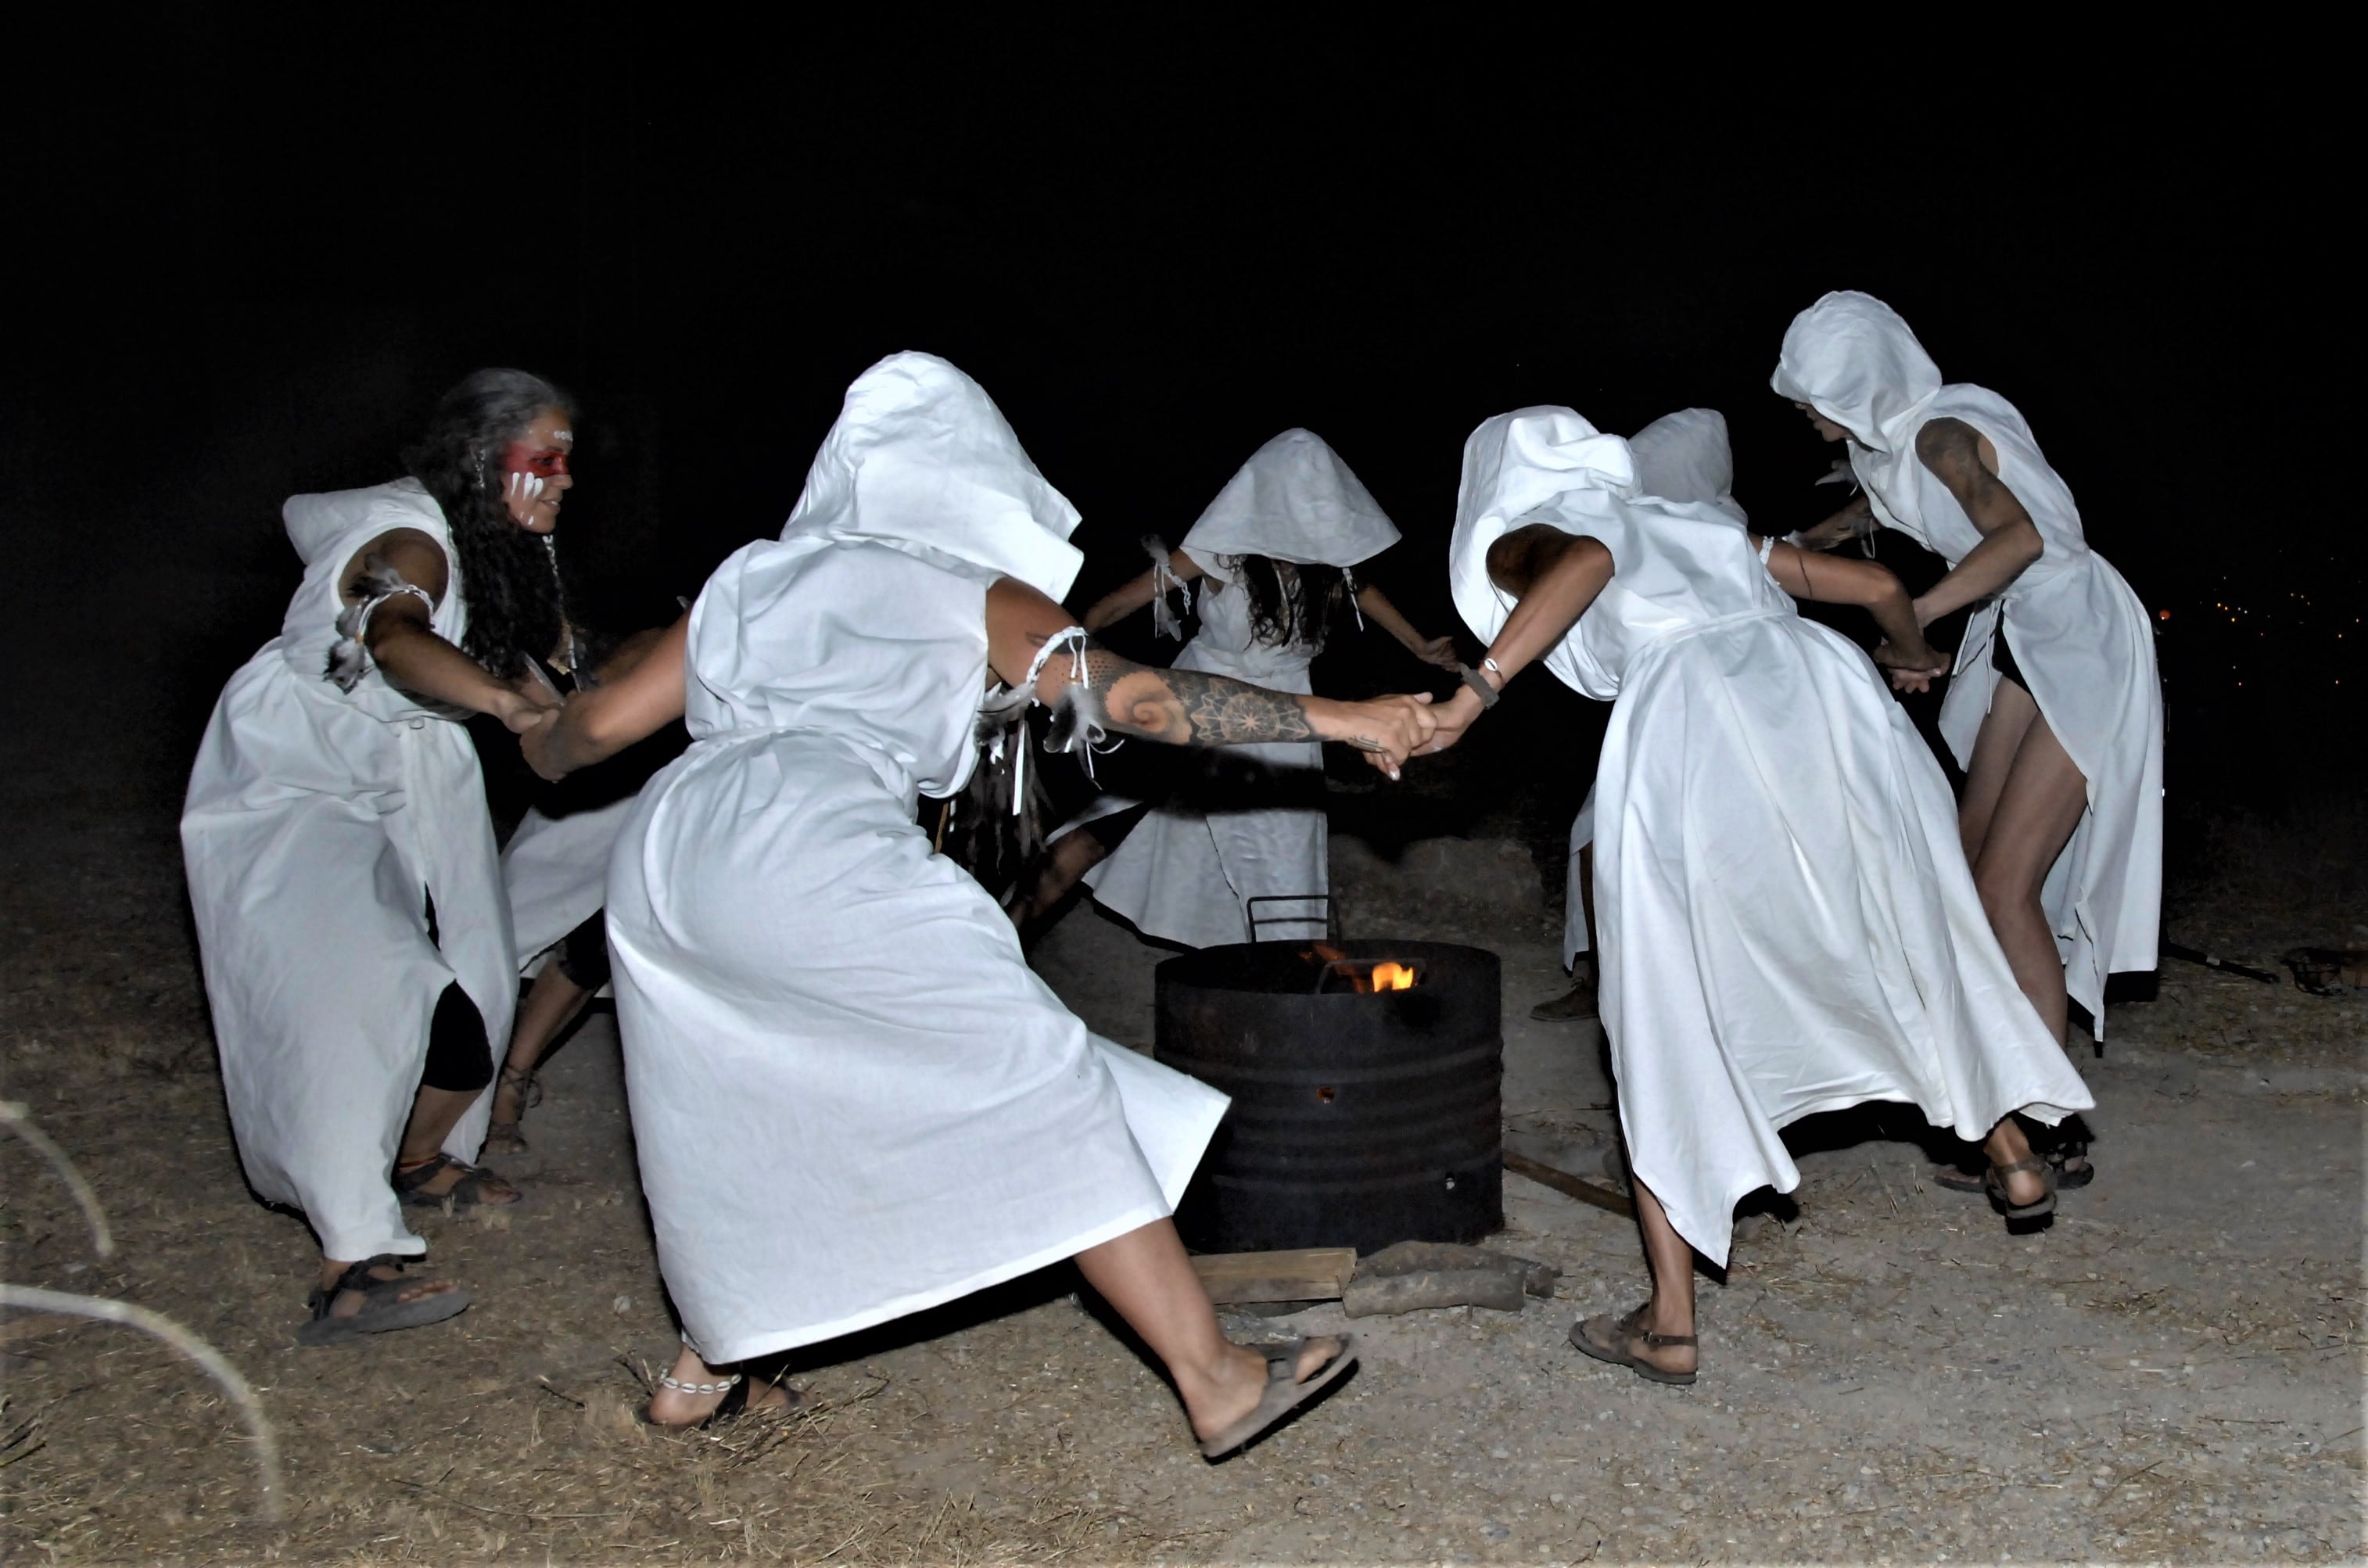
pixel 1189 707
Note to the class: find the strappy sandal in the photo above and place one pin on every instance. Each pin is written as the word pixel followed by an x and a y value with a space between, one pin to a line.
pixel 504 1137
pixel 467 1193
pixel 1607 1339
pixel 382 1312
pixel 1285 1391
pixel 2021 1217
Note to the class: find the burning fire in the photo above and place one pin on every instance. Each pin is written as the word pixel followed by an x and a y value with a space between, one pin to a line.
pixel 1387 976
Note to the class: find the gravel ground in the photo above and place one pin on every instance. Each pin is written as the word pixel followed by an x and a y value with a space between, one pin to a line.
pixel 2172 1371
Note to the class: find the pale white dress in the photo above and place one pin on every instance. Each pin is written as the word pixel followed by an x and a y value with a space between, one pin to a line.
pixel 2080 635
pixel 1189 871
pixel 319 823
pixel 1787 922
pixel 557 872
pixel 1191 866
pixel 852 1098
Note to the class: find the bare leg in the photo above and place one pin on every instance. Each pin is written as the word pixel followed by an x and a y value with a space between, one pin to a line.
pixel 1071 857
pixel 1146 1276
pixel 551 1004
pixel 433 1116
pixel 672 1407
pixel 2037 807
pixel 1671 1261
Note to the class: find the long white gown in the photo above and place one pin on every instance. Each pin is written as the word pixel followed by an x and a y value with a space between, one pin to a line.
pixel 2080 635
pixel 1787 922
pixel 1683 456
pixel 556 869
pixel 319 823
pixel 1188 870
pixel 851 1097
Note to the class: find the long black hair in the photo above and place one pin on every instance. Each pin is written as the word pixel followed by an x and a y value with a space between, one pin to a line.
pixel 1283 613
pixel 509 575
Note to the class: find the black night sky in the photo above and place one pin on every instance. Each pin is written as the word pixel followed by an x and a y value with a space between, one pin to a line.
pixel 262 248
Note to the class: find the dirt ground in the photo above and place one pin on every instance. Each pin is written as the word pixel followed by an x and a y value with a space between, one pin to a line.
pixel 2172 1371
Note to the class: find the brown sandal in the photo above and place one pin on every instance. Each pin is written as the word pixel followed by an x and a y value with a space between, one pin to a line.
pixel 1607 1340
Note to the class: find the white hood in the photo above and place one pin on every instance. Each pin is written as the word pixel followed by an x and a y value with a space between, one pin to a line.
pixel 1516 466
pixel 920 456
pixel 1295 500
pixel 1853 359
pixel 1685 457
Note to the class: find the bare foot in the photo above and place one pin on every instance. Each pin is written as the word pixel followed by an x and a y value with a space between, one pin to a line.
pixel 1240 1384
pixel 689 1407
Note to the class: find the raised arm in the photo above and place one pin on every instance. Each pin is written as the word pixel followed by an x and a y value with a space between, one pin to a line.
pixel 1185 707
pixel 1964 459
pixel 1135 593
pixel 1440 651
pixel 1838 580
pixel 629 704
pixel 1554 576
pixel 385 582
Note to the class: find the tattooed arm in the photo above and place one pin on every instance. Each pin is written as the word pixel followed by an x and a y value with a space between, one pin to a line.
pixel 1186 707
pixel 1964 459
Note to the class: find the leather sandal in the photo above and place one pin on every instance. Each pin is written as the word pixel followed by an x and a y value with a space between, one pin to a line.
pixel 1607 1339
pixel 1285 1391
pixel 468 1193
pixel 2021 1217
pixel 382 1311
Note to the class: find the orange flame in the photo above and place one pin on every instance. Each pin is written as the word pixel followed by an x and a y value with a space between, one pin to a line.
pixel 1393 977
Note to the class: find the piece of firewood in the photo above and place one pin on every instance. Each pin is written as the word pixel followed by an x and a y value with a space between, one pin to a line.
pixel 1564 1182
pixel 1308 1273
pixel 1496 1288
pixel 1415 1258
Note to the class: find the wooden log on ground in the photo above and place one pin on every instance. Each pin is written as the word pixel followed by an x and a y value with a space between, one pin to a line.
pixel 1415 1258
pixel 1571 1185
pixel 1308 1274
pixel 1494 1287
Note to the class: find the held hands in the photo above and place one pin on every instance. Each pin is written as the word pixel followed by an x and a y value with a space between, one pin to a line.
pixel 1910 668
pixel 1388 730
pixel 1454 716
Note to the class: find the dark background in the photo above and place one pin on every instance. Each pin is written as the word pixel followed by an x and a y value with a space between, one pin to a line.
pixel 254 249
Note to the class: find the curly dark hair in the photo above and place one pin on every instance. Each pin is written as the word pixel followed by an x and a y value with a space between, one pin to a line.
pixel 515 606
pixel 1283 613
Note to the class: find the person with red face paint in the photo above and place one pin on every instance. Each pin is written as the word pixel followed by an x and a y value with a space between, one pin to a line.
pixel 350 908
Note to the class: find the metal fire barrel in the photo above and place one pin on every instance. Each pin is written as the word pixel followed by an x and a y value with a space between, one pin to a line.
pixel 1359 1120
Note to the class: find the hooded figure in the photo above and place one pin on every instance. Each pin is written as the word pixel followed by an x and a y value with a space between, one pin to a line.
pixel 323 824
pixel 1787 922
pixel 1188 870
pixel 851 1097
pixel 2082 638
pixel 1680 457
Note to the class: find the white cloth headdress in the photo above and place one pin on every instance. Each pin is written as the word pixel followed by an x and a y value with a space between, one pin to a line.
pixel 1518 466
pixel 1295 500
pixel 1853 359
pixel 921 457
pixel 1685 457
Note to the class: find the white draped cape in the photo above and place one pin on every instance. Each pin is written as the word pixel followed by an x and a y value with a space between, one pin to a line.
pixel 851 1097
pixel 2080 635
pixel 319 825
pixel 1788 925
